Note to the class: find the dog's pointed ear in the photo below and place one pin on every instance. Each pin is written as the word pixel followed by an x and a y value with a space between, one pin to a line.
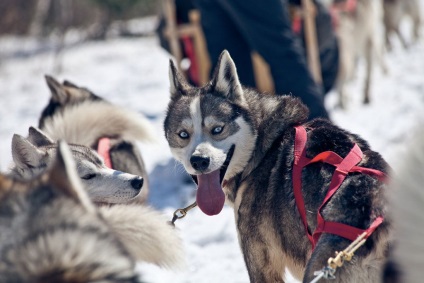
pixel 38 138
pixel 225 79
pixel 63 176
pixel 24 153
pixel 178 84
pixel 57 90
pixel 69 84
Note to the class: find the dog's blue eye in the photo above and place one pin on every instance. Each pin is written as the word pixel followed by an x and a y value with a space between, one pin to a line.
pixel 88 176
pixel 183 135
pixel 217 130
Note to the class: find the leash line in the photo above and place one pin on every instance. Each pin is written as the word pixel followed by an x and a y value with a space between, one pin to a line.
pixel 181 213
pixel 338 261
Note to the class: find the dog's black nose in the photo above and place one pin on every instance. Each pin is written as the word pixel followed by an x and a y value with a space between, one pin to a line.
pixel 137 183
pixel 200 163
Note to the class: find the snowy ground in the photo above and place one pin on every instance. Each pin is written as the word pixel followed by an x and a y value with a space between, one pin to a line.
pixel 134 73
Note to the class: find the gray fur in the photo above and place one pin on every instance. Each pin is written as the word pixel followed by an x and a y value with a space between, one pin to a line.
pixel 78 116
pixel 258 180
pixel 104 185
pixel 38 138
pixel 47 235
pixel 51 232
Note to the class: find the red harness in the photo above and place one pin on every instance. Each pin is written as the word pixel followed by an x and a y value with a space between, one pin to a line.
pixel 103 149
pixel 343 167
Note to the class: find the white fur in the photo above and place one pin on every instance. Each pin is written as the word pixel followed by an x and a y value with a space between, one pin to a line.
pixel 199 143
pixel 196 117
pixel 245 143
pixel 71 249
pixel 108 185
pixel 71 173
pixel 217 151
pixel 85 123
pixel 195 124
pixel 407 203
pixel 146 234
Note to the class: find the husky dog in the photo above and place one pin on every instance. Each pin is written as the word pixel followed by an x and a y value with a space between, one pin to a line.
pixel 358 36
pixel 51 232
pixel 394 13
pixel 239 146
pixel 104 185
pixel 407 199
pixel 78 116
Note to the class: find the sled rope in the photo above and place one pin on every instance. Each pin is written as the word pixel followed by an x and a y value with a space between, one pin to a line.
pixel 338 261
pixel 182 212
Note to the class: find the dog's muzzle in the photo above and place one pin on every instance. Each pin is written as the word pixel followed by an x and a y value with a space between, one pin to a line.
pixel 200 163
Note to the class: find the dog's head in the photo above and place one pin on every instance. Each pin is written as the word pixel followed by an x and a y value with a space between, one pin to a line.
pixel 63 95
pixel 51 232
pixel 210 131
pixel 104 185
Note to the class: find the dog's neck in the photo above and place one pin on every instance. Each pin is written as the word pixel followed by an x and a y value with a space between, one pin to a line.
pixel 272 116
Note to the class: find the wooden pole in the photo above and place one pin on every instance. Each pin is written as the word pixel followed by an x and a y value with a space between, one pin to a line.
pixel 171 30
pixel 311 41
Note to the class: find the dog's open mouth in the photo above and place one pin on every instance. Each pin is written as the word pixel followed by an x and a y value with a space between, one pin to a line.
pixel 210 196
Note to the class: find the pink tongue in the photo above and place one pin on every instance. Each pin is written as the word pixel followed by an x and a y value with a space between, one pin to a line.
pixel 210 197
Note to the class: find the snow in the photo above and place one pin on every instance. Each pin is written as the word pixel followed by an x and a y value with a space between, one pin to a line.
pixel 134 73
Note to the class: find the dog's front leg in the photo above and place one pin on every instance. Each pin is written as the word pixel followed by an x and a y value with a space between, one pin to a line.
pixel 258 261
pixel 262 255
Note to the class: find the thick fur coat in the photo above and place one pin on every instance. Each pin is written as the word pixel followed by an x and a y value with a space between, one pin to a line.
pixel 51 232
pixel 78 116
pixel 241 142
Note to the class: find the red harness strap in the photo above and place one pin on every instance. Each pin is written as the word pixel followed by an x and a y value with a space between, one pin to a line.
pixel 343 167
pixel 103 149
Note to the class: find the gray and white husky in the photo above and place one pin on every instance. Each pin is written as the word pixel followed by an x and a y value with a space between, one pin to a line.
pixel 76 115
pixel 104 185
pixel 239 145
pixel 51 232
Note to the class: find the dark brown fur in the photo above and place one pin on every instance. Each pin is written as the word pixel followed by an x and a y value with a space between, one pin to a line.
pixel 269 226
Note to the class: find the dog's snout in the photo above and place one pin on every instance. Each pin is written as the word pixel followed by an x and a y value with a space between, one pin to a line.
pixel 137 183
pixel 200 163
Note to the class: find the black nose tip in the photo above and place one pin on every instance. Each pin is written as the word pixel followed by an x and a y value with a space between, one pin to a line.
pixel 200 163
pixel 137 183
